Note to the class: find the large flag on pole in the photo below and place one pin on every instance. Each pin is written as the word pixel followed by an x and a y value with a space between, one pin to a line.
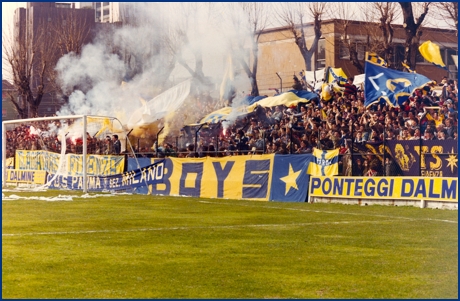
pixel 431 52
pixel 390 85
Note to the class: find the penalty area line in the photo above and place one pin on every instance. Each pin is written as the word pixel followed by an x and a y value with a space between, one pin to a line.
pixel 194 228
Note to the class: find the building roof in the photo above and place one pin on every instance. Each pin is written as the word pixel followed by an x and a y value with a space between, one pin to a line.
pixel 355 22
pixel 6 85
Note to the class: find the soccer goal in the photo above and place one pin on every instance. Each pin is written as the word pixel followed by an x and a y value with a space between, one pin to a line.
pixel 53 145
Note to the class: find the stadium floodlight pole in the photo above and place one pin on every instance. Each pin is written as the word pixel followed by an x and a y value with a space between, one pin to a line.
pixel 281 82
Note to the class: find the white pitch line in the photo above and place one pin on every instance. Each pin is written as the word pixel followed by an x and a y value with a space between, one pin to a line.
pixel 190 228
pixel 334 212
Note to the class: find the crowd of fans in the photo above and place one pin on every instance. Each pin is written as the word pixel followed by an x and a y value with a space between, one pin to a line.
pixel 337 123
pixel 341 121
pixel 43 135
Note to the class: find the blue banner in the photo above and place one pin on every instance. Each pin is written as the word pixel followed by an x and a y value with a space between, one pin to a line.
pixel 290 178
pixel 392 86
pixel 142 177
pixel 236 177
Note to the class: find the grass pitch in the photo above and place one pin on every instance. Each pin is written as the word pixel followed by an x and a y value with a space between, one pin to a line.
pixel 139 246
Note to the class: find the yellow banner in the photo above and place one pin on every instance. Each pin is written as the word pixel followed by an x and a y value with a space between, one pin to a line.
pixel 98 165
pixel 236 177
pixel 26 176
pixel 37 160
pixel 414 188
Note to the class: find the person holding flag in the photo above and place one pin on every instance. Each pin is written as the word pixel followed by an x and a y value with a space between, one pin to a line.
pixel 350 89
pixel 390 86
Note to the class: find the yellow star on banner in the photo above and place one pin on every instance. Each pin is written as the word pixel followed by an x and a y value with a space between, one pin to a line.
pixel 452 161
pixel 291 179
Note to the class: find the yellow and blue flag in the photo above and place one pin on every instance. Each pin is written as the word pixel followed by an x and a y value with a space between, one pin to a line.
pixel 373 58
pixel 217 116
pixel 390 85
pixel 325 163
pixel 336 74
pixel 408 68
pixel 287 99
pixel 431 52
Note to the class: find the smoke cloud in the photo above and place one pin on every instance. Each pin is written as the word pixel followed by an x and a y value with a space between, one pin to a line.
pixel 127 65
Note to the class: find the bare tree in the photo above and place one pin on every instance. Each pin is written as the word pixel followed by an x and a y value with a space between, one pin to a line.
pixel 295 15
pixel 412 27
pixel 71 29
pixel 29 62
pixel 449 12
pixel 346 14
pixel 248 27
pixel 387 13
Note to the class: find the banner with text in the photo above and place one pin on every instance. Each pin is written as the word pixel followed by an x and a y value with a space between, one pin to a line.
pixel 414 188
pixel 433 158
pixel 98 165
pixel 257 177
pixel 236 177
pixel 25 176
pixel 145 176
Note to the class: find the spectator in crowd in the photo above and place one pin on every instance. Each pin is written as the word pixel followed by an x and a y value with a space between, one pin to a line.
pixel 350 89
pixel 116 145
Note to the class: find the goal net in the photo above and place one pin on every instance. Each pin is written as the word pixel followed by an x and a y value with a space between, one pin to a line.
pixel 57 146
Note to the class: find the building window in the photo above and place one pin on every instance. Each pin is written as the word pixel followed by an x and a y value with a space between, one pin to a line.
pixel 63 5
pixel 361 49
pixel 398 56
pixel 344 52
pixel 321 54
pixel 451 62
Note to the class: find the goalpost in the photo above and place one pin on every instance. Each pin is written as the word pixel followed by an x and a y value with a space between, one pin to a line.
pixel 90 125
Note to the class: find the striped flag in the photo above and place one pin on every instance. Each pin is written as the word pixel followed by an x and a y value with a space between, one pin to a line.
pixel 408 68
pixel 373 58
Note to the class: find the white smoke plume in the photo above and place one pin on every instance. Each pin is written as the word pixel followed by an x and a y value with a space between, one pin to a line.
pixel 100 82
